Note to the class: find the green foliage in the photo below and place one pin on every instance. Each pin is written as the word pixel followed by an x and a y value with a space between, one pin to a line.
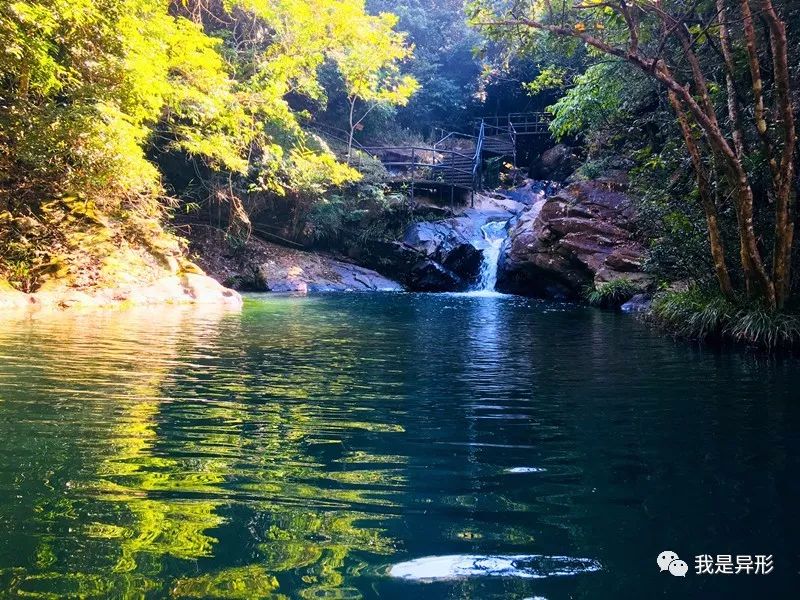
pixel 548 78
pixel 443 64
pixel 634 52
pixel 595 168
pixel 611 294
pixel 357 214
pixel 669 214
pixel 92 91
pixel 595 100
pixel 701 314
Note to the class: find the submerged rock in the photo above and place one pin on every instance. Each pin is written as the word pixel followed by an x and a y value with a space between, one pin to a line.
pixel 639 303
pixel 584 235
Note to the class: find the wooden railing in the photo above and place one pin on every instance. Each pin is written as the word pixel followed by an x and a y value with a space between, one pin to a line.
pixel 446 161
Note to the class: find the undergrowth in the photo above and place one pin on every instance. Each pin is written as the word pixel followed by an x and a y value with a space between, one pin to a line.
pixel 611 294
pixel 703 315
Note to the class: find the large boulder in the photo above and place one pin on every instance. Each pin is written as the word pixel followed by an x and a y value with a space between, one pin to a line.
pixel 315 273
pixel 408 265
pixel 185 288
pixel 451 244
pixel 584 235
pixel 262 266
pixel 555 164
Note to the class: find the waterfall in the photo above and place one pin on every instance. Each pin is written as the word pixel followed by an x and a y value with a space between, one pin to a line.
pixel 494 233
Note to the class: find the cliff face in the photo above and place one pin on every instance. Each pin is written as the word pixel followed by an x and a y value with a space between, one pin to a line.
pixel 582 236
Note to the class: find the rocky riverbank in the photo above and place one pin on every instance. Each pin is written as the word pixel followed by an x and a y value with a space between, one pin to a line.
pixel 560 243
pixel 445 255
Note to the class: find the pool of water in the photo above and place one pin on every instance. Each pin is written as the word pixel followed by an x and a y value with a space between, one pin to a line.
pixel 388 446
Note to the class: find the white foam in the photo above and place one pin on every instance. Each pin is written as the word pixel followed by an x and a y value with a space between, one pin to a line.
pixel 460 566
pixel 526 470
pixel 494 233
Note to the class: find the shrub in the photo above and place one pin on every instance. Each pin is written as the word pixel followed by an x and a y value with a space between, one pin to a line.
pixel 612 294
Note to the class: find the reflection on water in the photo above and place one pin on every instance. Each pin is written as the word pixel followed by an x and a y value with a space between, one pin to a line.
pixel 309 447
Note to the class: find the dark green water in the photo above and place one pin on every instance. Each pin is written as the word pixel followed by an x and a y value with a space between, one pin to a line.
pixel 303 447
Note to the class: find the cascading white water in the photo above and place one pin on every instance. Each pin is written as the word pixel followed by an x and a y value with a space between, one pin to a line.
pixel 494 232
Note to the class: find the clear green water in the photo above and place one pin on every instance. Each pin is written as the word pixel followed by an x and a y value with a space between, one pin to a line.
pixel 301 448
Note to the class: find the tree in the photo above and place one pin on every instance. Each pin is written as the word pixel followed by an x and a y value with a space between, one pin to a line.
pixel 672 42
pixel 444 63
pixel 369 63
pixel 94 93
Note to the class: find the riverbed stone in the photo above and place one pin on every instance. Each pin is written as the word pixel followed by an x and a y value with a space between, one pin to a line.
pixel 639 303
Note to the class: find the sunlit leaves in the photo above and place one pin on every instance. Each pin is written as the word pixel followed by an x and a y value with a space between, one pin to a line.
pixel 548 78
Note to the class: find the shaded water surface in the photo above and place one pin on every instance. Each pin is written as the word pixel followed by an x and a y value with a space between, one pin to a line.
pixel 388 446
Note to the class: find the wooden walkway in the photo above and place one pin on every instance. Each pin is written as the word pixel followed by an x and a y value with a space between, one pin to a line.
pixel 457 159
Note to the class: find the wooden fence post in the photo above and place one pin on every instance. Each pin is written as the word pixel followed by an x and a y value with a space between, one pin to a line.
pixel 413 175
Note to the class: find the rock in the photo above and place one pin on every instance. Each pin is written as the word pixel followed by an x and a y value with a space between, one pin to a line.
pixel 12 299
pixel 555 164
pixel 584 235
pixel 430 276
pixel 532 191
pixel 450 243
pixel 639 303
pixel 204 290
pixel 410 266
pixel 447 254
pixel 262 266
pixel 321 274
pixel 191 288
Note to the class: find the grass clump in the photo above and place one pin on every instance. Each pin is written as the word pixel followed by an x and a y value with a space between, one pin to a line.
pixel 704 315
pixel 611 294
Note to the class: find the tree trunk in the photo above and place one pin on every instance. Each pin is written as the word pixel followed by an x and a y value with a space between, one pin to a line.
pixel 707 201
pixel 352 130
pixel 784 184
pixel 733 102
pixel 757 280
pixel 758 87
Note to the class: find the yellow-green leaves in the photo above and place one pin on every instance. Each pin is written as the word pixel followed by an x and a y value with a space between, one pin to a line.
pixel 369 58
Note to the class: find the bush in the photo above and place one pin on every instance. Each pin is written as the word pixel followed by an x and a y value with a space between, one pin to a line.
pixel 701 315
pixel 612 294
pixel 356 214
